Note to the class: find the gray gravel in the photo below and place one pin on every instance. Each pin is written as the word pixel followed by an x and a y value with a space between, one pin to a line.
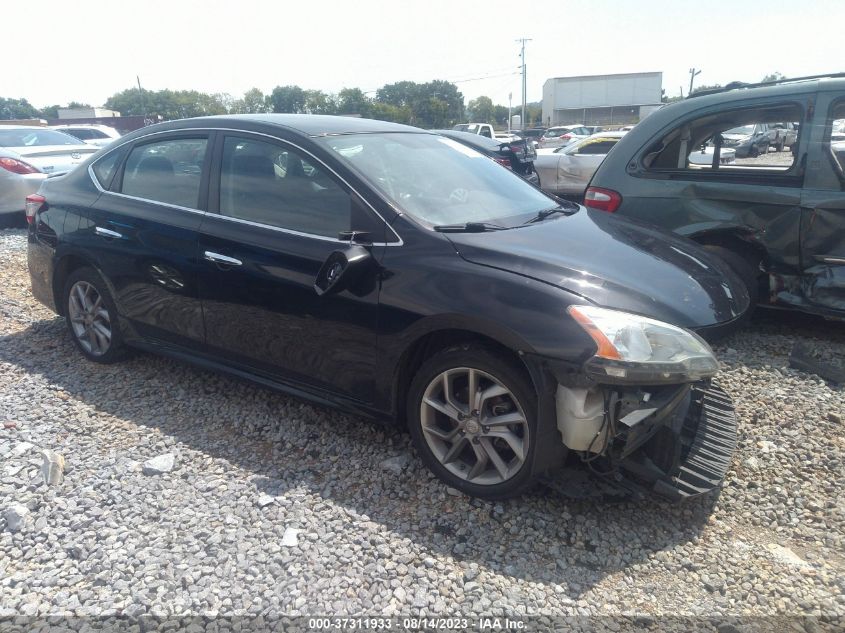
pixel 274 506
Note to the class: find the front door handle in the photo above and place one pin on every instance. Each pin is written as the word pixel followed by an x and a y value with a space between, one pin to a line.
pixel 225 260
pixel 107 233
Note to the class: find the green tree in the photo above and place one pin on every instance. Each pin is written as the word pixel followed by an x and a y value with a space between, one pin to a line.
pixel 17 109
pixel 253 102
pixel 353 101
pixel 481 110
pixel 50 112
pixel 500 114
pixel 775 76
pixel 290 99
pixel 318 102
pixel 706 87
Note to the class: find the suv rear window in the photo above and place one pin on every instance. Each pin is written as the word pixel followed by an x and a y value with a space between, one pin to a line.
pixel 739 139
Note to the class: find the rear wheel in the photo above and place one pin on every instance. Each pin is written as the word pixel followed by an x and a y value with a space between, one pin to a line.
pixel 472 417
pixel 91 317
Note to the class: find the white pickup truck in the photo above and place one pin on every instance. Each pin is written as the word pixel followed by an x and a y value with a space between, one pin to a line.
pixel 484 129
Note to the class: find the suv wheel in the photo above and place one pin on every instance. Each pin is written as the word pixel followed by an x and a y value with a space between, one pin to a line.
pixel 91 317
pixel 472 417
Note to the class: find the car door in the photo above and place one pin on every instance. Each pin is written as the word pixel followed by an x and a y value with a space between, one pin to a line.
pixel 277 213
pixel 143 235
pixel 823 212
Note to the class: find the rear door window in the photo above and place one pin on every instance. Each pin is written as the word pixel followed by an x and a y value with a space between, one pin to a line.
pixel 736 140
pixel 167 171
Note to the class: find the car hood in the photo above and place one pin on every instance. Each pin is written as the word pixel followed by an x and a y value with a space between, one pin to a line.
pixel 617 263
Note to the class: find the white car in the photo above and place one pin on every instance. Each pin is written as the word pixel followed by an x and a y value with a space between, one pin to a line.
pixel 563 135
pixel 567 170
pixel 28 155
pixel 704 157
pixel 90 133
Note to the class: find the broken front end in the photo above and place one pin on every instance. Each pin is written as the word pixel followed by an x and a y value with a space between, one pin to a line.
pixel 643 414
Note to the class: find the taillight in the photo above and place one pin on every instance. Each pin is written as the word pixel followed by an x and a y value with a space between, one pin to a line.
pixel 504 161
pixel 33 203
pixel 516 149
pixel 566 137
pixel 603 199
pixel 18 166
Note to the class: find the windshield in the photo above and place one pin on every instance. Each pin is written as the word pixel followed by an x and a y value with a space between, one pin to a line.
pixel 438 180
pixel 745 130
pixel 30 137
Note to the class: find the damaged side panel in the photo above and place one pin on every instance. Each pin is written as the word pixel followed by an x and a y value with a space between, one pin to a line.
pixel 823 252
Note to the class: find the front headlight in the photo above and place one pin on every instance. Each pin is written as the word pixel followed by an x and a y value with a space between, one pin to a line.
pixel 633 348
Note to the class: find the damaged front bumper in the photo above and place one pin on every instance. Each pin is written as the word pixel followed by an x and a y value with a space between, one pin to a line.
pixel 676 441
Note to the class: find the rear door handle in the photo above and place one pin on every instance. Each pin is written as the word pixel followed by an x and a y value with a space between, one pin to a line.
pixel 225 260
pixel 107 233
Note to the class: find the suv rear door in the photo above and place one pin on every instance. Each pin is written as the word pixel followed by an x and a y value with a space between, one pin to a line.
pixel 823 210
pixel 758 198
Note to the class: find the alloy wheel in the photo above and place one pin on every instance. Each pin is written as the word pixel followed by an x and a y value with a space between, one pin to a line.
pixel 89 318
pixel 474 426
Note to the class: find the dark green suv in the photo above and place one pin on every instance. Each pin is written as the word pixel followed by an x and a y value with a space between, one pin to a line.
pixel 778 217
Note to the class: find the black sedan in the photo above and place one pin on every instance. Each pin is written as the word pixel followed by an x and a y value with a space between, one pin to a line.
pixel 517 155
pixel 402 276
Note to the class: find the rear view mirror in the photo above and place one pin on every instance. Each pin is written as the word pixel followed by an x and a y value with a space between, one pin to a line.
pixel 341 270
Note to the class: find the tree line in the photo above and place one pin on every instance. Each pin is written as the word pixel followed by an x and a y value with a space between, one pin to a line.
pixel 434 104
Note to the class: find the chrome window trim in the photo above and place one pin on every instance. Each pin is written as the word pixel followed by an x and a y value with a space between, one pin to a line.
pixel 249 222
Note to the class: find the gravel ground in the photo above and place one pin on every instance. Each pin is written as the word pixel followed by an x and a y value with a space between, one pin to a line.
pixel 274 506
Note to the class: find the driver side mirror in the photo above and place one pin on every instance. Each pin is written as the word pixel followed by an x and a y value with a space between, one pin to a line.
pixel 342 269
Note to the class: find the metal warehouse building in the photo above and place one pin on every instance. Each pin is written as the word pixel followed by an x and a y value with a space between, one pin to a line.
pixel 601 99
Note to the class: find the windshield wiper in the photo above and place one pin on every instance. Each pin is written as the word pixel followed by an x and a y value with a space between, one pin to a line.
pixel 566 210
pixel 469 227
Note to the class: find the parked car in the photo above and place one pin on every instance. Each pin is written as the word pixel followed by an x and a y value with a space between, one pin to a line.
pixel 704 156
pixel 485 130
pixel 398 275
pixel 779 220
pixel 782 135
pixel 748 141
pixel 594 129
pixel 567 170
pixel 517 155
pixel 93 134
pixel 563 135
pixel 534 134
pixel 28 155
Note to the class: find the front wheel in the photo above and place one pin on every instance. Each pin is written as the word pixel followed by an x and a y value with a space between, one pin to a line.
pixel 91 317
pixel 472 417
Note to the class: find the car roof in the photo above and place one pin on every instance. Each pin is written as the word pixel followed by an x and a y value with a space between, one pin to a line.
pixel 315 124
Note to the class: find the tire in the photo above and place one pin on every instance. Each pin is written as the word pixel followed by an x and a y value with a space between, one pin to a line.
pixel 753 151
pixel 91 317
pixel 451 435
pixel 745 268
pixel 779 146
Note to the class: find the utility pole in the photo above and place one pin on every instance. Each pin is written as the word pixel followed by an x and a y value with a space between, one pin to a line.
pixel 522 40
pixel 143 100
pixel 692 73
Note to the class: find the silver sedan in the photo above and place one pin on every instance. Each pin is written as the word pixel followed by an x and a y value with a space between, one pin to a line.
pixel 568 170
pixel 30 154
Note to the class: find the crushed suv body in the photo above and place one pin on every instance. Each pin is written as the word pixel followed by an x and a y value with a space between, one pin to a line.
pixel 402 276
pixel 778 218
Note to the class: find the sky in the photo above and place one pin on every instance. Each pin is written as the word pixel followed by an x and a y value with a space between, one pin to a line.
pixel 82 50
